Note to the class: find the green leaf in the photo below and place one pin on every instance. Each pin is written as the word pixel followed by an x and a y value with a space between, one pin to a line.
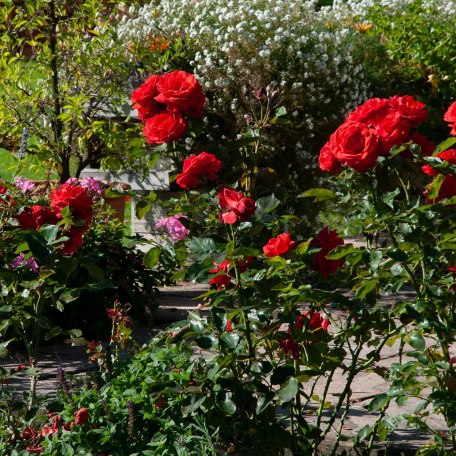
pixel 231 339
pixel 379 402
pixel 434 187
pixel 206 342
pixel 417 342
pixel 447 144
pixel 38 247
pixel 264 401
pixel 266 205
pixel 195 404
pixel 364 433
pixel 152 256
pixel 281 373
pixel 289 390
pixel 95 271
pixel 280 111
pixel 320 194
pixel 228 406
pixel 201 248
pixel 342 251
pixel 70 295
pixel 142 208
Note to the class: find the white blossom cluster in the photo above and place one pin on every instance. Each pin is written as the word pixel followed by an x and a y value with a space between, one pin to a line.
pixel 343 9
pixel 232 43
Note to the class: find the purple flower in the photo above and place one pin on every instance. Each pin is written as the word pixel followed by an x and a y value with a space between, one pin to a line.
pixel 92 184
pixel 72 181
pixel 23 146
pixel 174 227
pixel 23 184
pixel 21 261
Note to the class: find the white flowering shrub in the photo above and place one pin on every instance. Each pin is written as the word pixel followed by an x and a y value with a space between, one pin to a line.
pixel 234 43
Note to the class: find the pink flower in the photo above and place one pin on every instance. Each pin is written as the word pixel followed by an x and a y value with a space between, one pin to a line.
pixel 92 184
pixel 174 227
pixel 20 260
pixel 23 184
pixel 72 181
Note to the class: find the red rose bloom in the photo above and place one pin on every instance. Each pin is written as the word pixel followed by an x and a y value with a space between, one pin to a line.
pixel 77 199
pixel 34 217
pixel 326 241
pixel 198 167
pixel 164 127
pixel 288 345
pixel 279 245
pixel 327 160
pixel 410 109
pixel 316 323
pixel 181 91
pixel 391 119
pixel 144 98
pixel 448 187
pixel 355 145
pixel 450 117
pixel 235 207
pixel 221 280
pixel 82 416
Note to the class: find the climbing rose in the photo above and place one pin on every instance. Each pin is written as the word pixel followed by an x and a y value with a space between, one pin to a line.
pixel 164 127
pixel 450 117
pixel 279 245
pixel 198 167
pixel 235 206
pixel 181 91
pixel 82 416
pixel 326 240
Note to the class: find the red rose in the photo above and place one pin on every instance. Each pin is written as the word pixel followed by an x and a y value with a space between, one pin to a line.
pixel 448 155
pixel 75 234
pixel 235 207
pixel 164 127
pixel 288 345
pixel 229 326
pixel 144 98
pixel 35 449
pixel 197 167
pixel 316 323
pixel 221 280
pixel 279 245
pixel 77 199
pixel 82 416
pixel 410 109
pixel 390 119
pixel 327 160
pixel 355 145
pixel 34 217
pixel 326 241
pixel 181 91
pixel 450 117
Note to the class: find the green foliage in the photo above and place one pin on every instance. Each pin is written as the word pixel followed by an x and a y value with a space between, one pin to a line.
pixel 64 79
pixel 408 53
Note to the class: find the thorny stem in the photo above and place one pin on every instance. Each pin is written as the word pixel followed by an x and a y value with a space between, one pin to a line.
pixel 341 424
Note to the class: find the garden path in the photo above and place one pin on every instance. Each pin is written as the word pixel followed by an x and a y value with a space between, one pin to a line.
pixel 174 304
